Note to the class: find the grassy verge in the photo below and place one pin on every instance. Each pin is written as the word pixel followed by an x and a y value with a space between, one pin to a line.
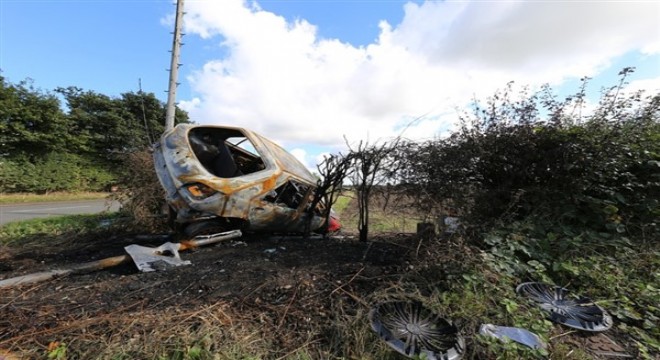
pixel 389 219
pixel 15 232
pixel 56 196
pixel 342 202
pixel 618 274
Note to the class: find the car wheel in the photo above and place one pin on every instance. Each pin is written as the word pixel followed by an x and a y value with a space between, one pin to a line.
pixel 204 228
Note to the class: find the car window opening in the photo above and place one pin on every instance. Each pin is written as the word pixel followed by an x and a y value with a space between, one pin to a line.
pixel 290 194
pixel 225 153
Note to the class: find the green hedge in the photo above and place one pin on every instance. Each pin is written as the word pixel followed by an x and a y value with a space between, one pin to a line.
pixel 54 172
pixel 542 158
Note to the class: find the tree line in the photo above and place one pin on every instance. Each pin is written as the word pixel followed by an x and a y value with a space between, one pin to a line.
pixel 75 144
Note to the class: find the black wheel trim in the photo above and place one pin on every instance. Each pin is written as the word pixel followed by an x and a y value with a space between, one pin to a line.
pixel 413 330
pixel 574 311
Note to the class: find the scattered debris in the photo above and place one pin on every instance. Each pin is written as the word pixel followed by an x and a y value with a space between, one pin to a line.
pixel 415 331
pixel 103 223
pixel 167 255
pixel 518 335
pixel 573 311
pixel 147 255
pixel 451 224
pixel 76 269
pixel 151 259
pixel 426 230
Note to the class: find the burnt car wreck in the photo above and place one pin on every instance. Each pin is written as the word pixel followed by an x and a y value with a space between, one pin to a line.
pixel 219 178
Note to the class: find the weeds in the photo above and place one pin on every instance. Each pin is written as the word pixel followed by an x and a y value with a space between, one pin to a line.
pixel 57 351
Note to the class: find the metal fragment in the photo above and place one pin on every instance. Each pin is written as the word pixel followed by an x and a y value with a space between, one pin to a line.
pixel 149 259
pixel 518 335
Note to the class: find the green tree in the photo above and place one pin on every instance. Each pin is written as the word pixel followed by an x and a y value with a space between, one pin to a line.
pixel 44 149
pixel 113 127
pixel 147 115
pixel 31 121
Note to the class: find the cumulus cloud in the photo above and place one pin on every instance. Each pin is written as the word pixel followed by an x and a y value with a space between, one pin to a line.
pixel 281 79
pixel 541 39
pixel 649 86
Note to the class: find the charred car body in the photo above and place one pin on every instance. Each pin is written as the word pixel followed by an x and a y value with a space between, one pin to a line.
pixel 219 178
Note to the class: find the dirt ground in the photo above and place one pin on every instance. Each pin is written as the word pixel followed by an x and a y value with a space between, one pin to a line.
pixel 270 295
pixel 258 274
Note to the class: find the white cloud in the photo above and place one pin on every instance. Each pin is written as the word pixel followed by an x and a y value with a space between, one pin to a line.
pixel 280 79
pixel 652 48
pixel 301 155
pixel 650 86
pixel 537 38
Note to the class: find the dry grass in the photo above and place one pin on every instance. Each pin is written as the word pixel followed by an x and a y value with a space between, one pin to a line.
pixel 305 312
pixel 136 332
pixel 391 216
pixel 247 329
pixel 141 194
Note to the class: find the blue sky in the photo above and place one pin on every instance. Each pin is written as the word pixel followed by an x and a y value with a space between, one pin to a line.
pixel 310 72
pixel 107 45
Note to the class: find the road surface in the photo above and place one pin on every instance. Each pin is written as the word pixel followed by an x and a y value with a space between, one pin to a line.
pixel 17 212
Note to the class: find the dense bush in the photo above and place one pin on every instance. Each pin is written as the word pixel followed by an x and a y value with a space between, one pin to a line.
pixel 535 156
pixel 43 148
pixel 54 172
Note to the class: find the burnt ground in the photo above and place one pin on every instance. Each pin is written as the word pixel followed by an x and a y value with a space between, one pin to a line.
pixel 287 279
pixel 269 296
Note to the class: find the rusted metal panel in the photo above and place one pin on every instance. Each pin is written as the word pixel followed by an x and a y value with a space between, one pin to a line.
pixel 269 191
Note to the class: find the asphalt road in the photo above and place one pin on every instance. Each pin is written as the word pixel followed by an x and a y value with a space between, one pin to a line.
pixel 17 212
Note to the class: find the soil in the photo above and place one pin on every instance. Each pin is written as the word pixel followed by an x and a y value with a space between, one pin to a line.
pixel 255 273
pixel 294 291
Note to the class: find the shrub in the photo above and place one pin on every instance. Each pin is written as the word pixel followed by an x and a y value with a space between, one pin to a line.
pixel 53 172
pixel 532 157
pixel 140 192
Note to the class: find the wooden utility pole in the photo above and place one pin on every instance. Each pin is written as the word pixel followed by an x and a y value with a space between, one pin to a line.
pixel 174 67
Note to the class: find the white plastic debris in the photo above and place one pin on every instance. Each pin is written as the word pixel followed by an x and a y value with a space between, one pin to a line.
pixel 518 335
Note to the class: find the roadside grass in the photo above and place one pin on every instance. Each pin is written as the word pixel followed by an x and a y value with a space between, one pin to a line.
pixel 341 203
pixel 16 232
pixel 620 276
pixel 468 289
pixel 380 222
pixel 54 196
pixel 474 289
